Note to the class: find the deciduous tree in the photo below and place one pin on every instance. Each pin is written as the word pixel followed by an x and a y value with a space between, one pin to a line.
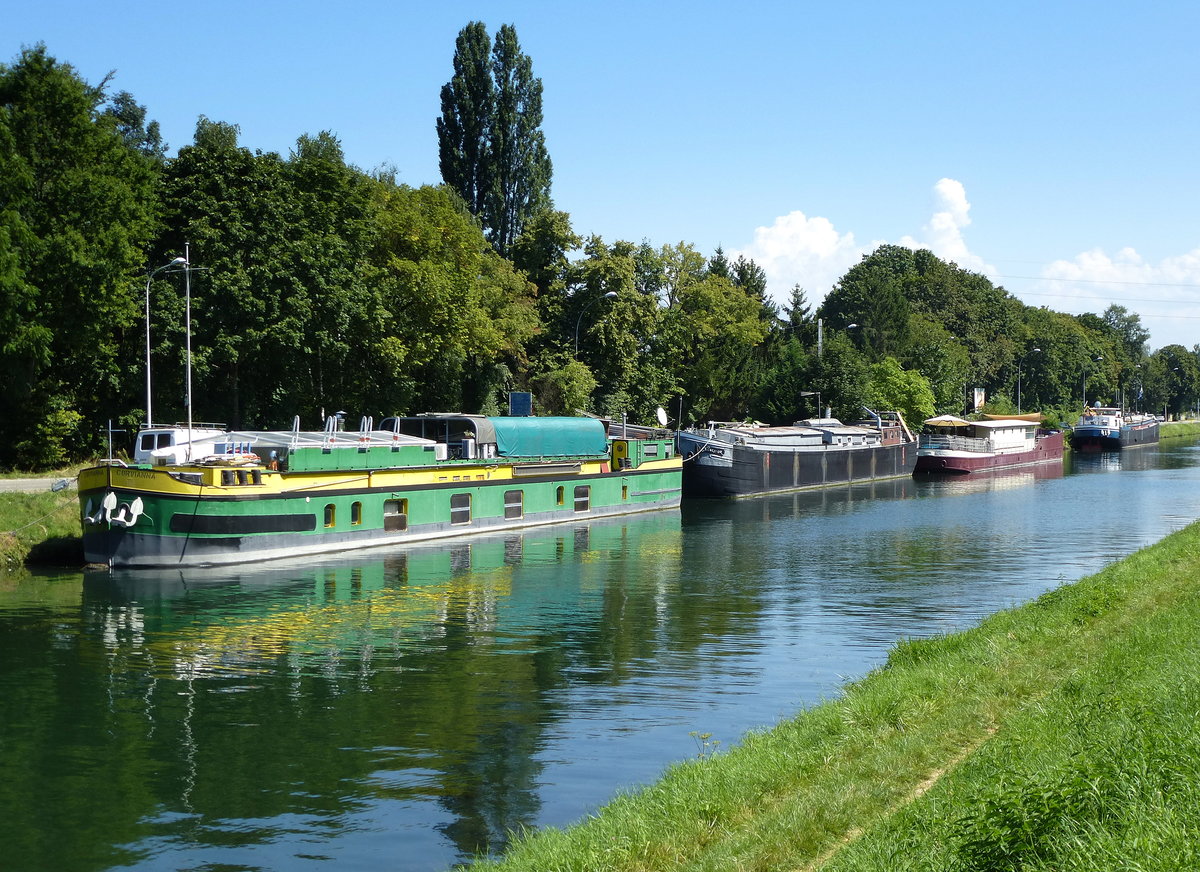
pixel 77 207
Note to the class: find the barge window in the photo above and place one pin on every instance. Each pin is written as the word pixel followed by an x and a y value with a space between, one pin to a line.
pixel 330 515
pixel 460 508
pixel 395 516
pixel 624 491
pixel 355 514
pixel 583 498
pixel 514 505
pixel 151 441
pixel 650 450
pixel 559 496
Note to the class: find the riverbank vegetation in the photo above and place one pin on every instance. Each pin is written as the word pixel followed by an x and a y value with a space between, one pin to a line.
pixel 319 286
pixel 1179 429
pixel 41 528
pixel 1059 735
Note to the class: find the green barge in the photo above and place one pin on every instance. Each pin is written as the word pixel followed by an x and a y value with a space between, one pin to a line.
pixel 207 496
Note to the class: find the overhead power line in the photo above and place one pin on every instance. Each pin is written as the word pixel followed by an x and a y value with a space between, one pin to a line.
pixel 1106 282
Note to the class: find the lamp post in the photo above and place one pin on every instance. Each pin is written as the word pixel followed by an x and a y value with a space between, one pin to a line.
pixel 816 394
pixel 1020 361
pixel 611 295
pixel 187 283
pixel 150 278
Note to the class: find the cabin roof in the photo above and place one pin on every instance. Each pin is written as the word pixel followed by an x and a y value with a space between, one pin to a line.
pixel 1008 424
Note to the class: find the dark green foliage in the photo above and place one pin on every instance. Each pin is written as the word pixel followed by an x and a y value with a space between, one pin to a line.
pixel 77 210
pixel 138 134
pixel 718 265
pixel 841 375
pixel 542 253
pixel 520 165
pixel 490 142
pixel 464 128
pixel 789 372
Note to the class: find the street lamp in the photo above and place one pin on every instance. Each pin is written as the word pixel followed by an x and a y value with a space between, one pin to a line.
pixel 150 278
pixel 611 295
pixel 816 394
pixel 1021 360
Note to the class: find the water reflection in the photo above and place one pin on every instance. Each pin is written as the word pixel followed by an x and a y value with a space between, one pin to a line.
pixel 254 710
pixel 990 480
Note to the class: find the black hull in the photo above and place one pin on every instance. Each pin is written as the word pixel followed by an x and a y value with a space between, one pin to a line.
pixel 1129 437
pixel 755 472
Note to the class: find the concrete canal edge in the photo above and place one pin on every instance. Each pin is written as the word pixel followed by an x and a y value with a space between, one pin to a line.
pixel 937 738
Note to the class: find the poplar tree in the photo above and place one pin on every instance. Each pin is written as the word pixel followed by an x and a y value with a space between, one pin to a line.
pixel 468 104
pixel 520 185
pixel 491 147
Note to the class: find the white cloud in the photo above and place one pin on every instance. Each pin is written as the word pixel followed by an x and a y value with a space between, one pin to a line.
pixel 1163 294
pixel 798 250
pixel 944 232
pixel 810 252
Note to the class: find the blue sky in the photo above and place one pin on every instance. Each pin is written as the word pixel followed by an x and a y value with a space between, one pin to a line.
pixel 1051 146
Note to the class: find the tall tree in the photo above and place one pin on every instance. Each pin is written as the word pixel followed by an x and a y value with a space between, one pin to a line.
pixel 465 126
pixel 138 134
pixel 77 207
pixel 491 145
pixel 718 264
pixel 750 277
pixel 521 164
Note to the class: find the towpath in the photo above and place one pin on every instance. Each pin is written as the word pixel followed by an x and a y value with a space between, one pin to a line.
pixel 30 485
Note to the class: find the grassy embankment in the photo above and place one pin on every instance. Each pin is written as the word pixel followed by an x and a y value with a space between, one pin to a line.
pixel 40 528
pixel 1060 735
pixel 1178 429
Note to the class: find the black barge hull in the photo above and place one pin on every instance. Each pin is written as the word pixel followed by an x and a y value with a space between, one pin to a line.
pixel 724 470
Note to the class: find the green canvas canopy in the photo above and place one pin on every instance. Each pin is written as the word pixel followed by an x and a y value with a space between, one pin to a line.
pixel 549 437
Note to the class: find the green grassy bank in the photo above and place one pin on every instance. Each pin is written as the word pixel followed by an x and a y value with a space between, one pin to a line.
pixel 1178 429
pixel 40 528
pixel 1061 735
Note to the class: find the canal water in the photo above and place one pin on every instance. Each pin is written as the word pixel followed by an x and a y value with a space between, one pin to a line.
pixel 405 710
